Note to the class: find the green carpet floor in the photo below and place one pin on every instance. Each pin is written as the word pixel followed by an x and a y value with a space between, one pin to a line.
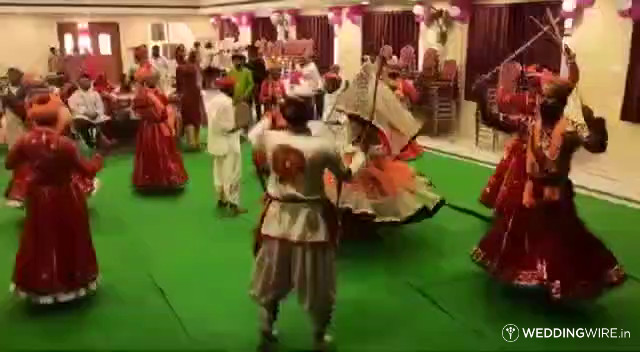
pixel 175 277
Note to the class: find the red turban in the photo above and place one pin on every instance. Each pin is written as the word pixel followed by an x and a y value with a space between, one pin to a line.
pixel 225 82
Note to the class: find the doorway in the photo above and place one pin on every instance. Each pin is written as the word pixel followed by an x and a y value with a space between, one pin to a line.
pixel 91 48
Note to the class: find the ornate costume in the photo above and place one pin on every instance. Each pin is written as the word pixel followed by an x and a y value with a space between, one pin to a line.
pixel 297 234
pixel 158 163
pixel 537 238
pixel 56 261
pixel 386 190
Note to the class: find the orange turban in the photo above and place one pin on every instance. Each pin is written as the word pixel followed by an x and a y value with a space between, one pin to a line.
pixel 44 109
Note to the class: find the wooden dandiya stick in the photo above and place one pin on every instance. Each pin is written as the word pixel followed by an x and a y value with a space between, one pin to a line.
pixel 552 34
pixel 526 45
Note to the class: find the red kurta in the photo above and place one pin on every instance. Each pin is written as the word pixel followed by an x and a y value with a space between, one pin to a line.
pixel 56 260
pixel 158 163
pixel 191 104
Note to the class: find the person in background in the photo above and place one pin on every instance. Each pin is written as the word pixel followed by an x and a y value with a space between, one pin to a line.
pixel 224 145
pixel 258 69
pixel 311 75
pixel 88 113
pixel 158 165
pixel 161 65
pixel 56 261
pixel 300 253
pixel 54 62
pixel 188 89
pixel 272 94
pixel 243 78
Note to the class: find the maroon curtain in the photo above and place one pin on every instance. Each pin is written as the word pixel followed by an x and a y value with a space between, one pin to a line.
pixel 496 31
pixel 631 103
pixel 262 28
pixel 318 29
pixel 397 29
pixel 228 29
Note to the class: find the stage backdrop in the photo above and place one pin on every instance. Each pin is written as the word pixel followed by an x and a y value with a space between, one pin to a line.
pixel 495 31
pixel 397 29
pixel 262 28
pixel 320 31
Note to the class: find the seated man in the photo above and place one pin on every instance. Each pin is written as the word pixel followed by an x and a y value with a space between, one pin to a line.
pixel 87 109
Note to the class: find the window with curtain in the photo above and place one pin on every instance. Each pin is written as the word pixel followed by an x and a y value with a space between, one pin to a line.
pixel 228 29
pixel 496 31
pixel 318 29
pixel 397 29
pixel 631 103
pixel 262 28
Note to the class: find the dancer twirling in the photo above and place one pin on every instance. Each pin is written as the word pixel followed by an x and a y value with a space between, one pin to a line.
pixel 503 191
pixel 158 164
pixel 386 190
pixel 297 236
pixel 56 261
pixel 541 241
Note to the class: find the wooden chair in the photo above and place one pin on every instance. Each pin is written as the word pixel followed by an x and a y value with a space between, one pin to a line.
pixel 486 137
pixel 444 97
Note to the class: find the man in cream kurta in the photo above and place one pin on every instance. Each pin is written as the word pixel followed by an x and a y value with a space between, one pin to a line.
pixel 297 235
pixel 223 143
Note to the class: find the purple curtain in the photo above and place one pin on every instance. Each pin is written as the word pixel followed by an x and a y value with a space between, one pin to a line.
pixel 228 29
pixel 496 31
pixel 318 29
pixel 262 28
pixel 631 103
pixel 397 29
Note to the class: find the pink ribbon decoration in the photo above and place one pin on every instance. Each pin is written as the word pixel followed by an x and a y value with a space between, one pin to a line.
pixel 215 19
pixel 335 15
pixel 460 10
pixel 291 15
pixel 354 13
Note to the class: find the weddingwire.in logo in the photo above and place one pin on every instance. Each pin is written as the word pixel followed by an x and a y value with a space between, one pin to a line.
pixel 510 333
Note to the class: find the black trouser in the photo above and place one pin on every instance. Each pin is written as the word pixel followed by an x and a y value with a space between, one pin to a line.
pixel 89 131
pixel 319 102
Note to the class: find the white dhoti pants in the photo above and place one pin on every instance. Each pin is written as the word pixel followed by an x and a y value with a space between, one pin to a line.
pixel 227 171
pixel 282 266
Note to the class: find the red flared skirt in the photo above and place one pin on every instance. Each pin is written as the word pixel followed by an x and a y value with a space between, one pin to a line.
pixel 550 247
pixel 504 190
pixel 56 259
pixel 158 163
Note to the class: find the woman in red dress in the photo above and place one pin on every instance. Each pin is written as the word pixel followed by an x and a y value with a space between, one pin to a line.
pixel 504 189
pixel 539 241
pixel 56 261
pixel 16 191
pixel 158 164
pixel 191 103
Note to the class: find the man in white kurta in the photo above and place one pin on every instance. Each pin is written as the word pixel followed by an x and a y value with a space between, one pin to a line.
pixel 223 143
pixel 295 245
pixel 161 65
pixel 88 114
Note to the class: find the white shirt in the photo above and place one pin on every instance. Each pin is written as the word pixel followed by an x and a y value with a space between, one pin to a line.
pixel 83 103
pixel 311 74
pixel 221 139
pixel 297 221
pixel 161 64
